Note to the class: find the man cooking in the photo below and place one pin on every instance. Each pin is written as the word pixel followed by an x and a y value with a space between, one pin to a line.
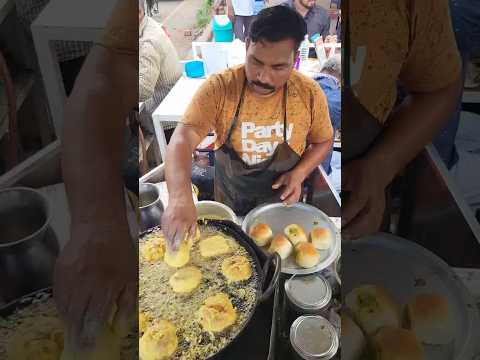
pixel 272 126
pixel 413 46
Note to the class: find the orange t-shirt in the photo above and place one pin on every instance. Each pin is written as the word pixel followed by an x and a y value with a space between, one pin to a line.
pixel 407 40
pixel 259 129
pixel 121 31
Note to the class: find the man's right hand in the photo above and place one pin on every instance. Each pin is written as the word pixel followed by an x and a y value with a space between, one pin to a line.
pixel 179 219
pixel 95 273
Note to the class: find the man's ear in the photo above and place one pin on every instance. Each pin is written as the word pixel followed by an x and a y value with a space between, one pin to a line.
pixel 247 42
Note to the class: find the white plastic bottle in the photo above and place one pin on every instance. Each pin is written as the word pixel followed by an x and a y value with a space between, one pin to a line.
pixel 304 49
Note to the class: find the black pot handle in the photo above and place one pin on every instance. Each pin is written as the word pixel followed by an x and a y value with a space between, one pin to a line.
pixel 275 261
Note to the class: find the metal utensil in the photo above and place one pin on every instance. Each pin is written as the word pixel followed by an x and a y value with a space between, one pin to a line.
pixel 306 333
pixel 28 247
pixel 407 269
pixel 268 268
pixel 150 206
pixel 278 216
pixel 215 210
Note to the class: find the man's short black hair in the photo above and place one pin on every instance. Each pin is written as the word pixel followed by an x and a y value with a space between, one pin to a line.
pixel 278 23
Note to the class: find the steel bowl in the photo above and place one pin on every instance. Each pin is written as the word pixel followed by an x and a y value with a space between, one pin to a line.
pixel 278 216
pixel 150 206
pixel 28 246
pixel 215 210
pixel 24 216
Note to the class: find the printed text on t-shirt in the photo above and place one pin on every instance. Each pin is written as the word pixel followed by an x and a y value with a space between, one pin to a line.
pixel 253 149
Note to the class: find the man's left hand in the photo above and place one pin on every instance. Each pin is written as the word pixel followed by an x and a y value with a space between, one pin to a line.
pixel 363 212
pixel 292 182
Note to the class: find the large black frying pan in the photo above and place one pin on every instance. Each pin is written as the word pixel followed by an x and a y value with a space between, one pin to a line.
pixel 264 266
pixel 267 267
pixel 25 301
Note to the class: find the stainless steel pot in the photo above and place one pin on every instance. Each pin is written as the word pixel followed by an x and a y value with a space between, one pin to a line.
pixel 150 206
pixel 28 247
pixel 215 210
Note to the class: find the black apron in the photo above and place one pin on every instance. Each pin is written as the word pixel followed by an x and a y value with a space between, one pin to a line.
pixel 360 129
pixel 242 187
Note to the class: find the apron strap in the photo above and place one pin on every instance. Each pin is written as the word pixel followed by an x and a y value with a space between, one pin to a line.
pixel 239 106
pixel 285 95
pixel 237 113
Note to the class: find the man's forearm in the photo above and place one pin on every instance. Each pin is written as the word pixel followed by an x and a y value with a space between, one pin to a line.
pixel 416 123
pixel 93 135
pixel 312 158
pixel 178 168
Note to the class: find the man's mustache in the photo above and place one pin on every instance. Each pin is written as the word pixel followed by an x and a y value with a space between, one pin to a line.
pixel 262 85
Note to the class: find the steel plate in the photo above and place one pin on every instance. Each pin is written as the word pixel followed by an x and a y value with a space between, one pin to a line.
pixel 407 269
pixel 278 216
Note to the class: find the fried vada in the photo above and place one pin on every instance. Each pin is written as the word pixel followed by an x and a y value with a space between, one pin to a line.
pixel 217 313
pixel 213 246
pixel 186 280
pixel 236 268
pixel 159 342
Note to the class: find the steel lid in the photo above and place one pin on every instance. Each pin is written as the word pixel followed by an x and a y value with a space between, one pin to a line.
pixel 314 337
pixel 312 292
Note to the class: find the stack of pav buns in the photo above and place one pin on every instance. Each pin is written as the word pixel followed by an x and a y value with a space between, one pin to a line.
pixel 372 308
pixel 429 317
pixel 392 343
pixel 281 245
pixel 375 312
pixel 293 239
pixel 261 234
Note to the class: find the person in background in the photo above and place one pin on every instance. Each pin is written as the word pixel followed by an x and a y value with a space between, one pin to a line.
pixel 258 6
pixel 70 54
pixel 219 8
pixel 316 17
pixel 339 26
pixel 329 79
pixel 241 14
pixel 159 65
pixel 335 13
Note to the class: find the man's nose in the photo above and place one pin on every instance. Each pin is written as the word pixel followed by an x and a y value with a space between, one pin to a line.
pixel 264 76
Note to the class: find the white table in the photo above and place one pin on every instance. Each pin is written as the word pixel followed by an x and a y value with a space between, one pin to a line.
pixel 65 20
pixel 173 107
